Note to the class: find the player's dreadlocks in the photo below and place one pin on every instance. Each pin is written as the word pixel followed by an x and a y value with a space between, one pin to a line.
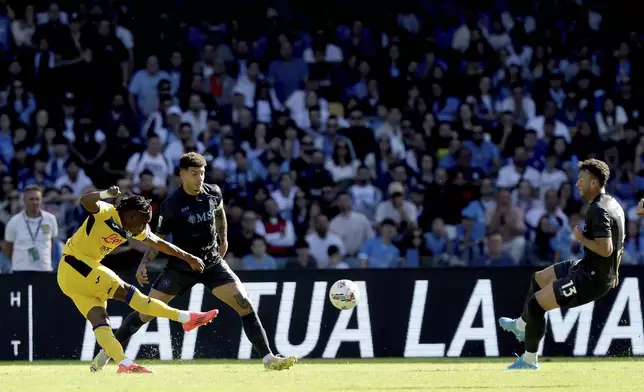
pixel 134 203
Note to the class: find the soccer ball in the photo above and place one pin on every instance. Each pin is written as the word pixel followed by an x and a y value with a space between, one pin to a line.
pixel 344 294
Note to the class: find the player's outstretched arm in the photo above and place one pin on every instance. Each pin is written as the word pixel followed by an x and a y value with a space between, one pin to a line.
pixel 90 200
pixel 149 255
pixel 170 249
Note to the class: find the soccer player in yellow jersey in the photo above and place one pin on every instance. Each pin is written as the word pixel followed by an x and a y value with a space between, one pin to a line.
pixel 89 284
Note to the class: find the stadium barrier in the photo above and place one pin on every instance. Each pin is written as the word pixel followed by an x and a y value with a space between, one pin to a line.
pixel 402 313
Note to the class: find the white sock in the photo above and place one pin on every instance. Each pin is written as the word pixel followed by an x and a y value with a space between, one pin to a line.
pixel 520 324
pixel 530 358
pixel 126 362
pixel 269 357
pixel 184 316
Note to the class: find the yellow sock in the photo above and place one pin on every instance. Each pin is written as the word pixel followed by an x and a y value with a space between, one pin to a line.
pixel 151 307
pixel 108 342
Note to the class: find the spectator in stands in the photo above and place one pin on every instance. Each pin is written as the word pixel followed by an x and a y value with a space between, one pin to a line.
pixel 380 251
pixel 303 258
pixel 547 222
pixel 512 173
pixel 278 232
pixel 468 244
pixel 31 235
pixel 634 244
pixel 151 159
pixel 74 178
pixel 287 73
pixel 144 95
pixel 494 256
pixel 321 239
pixel 402 212
pixel 507 219
pixel 552 178
pixel 539 102
pixel 238 242
pixel 284 196
pixel 342 167
pixel 336 259
pixel 353 227
pixel 258 259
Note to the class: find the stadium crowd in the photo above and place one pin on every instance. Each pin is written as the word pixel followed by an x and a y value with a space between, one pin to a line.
pixel 431 133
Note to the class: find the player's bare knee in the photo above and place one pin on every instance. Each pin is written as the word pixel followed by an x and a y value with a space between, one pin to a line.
pixel 545 277
pixel 122 292
pixel 98 316
pixel 546 298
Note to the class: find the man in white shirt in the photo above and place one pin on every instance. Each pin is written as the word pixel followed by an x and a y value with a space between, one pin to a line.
pixel 151 159
pixel 365 195
pixel 397 208
pixel 539 123
pixel 523 108
pixel 74 177
pixel 511 174
pixel 332 53
pixel 197 115
pixel 176 148
pixel 353 227
pixel 321 240
pixel 29 235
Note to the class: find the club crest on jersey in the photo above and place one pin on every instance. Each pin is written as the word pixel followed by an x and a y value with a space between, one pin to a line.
pixel 45 229
pixel 212 203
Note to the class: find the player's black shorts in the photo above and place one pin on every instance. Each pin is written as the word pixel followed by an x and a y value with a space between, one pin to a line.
pixel 576 286
pixel 174 281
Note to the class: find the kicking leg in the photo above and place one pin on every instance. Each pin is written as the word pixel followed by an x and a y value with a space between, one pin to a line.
pixel 534 315
pixel 234 295
pixel 538 280
pixel 105 338
pixel 155 308
pixel 132 323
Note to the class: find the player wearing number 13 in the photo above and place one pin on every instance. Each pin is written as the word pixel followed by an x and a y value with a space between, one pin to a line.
pixel 569 284
pixel 89 284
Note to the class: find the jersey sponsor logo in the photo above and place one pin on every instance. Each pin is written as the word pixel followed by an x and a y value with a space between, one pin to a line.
pixel 113 239
pixel 198 218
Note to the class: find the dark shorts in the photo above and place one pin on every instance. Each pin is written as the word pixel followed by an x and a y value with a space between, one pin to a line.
pixel 576 286
pixel 174 281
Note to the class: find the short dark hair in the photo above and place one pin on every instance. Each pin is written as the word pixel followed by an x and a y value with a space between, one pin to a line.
pixel 191 159
pixel 135 203
pixel 598 169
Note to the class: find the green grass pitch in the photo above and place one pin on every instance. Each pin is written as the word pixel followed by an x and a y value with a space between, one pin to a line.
pixel 563 374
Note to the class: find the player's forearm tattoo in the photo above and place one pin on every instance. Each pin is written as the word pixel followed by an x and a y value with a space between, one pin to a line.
pixel 221 224
pixel 149 255
pixel 242 301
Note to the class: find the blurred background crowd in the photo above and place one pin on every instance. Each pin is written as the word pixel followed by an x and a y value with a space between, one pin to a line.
pixel 409 134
